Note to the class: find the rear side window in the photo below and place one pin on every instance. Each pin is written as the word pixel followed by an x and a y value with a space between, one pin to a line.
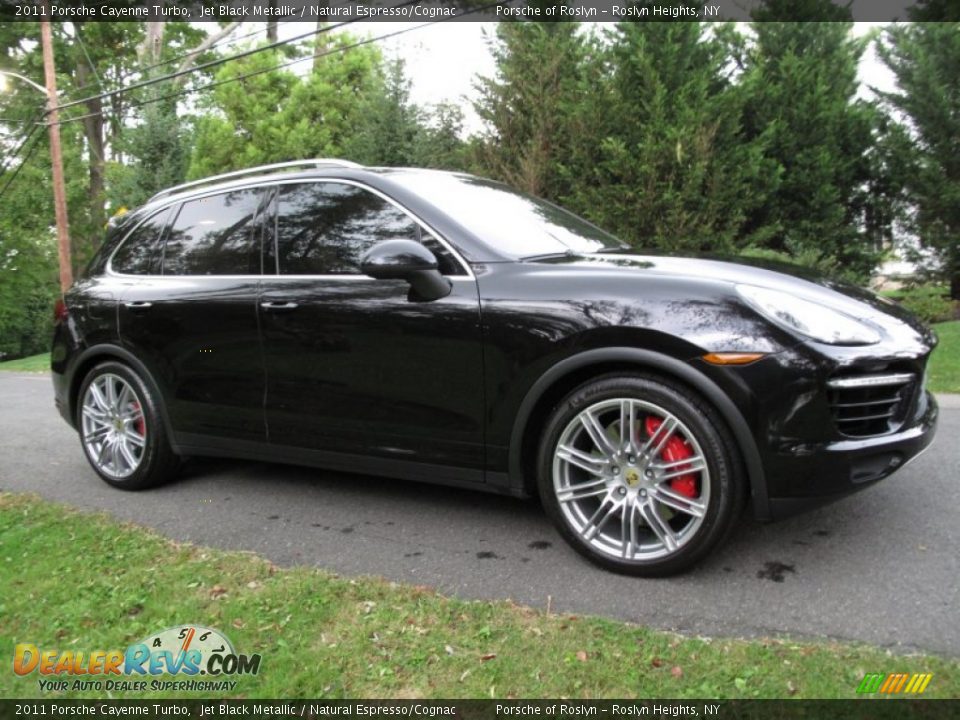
pixel 139 254
pixel 215 235
pixel 325 228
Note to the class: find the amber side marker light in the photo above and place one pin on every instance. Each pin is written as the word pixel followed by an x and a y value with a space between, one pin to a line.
pixel 732 358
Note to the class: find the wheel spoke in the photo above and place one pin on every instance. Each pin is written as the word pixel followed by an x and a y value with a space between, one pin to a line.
pixel 661 436
pixel 695 466
pixel 595 488
pixel 678 502
pixel 124 398
pixel 658 525
pixel 135 439
pixel 597 433
pixel 593 526
pixel 127 454
pixel 580 459
pixel 95 415
pixel 115 456
pixel 628 435
pixel 674 464
pixel 110 392
pixel 98 397
pixel 102 454
pixel 96 435
pixel 628 531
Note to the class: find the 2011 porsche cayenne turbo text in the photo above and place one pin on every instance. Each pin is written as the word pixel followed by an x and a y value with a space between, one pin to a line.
pixel 441 327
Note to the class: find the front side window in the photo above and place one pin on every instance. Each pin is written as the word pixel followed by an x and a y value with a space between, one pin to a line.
pixel 215 235
pixel 139 254
pixel 325 228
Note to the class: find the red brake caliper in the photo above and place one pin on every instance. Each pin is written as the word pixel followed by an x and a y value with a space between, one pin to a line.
pixel 141 425
pixel 675 449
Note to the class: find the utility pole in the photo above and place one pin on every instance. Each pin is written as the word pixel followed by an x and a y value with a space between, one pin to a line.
pixel 56 157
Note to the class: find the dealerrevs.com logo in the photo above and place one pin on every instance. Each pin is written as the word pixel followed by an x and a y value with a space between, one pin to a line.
pixel 187 652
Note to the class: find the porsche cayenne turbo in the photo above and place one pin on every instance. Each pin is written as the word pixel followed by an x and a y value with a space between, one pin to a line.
pixel 445 328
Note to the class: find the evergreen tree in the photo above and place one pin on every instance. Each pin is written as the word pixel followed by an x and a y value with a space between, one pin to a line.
pixel 801 82
pixel 925 57
pixel 661 159
pixel 390 124
pixel 528 106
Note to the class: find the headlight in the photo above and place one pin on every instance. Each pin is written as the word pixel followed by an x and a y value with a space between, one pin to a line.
pixel 816 321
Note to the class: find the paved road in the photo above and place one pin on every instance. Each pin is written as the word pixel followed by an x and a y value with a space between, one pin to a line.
pixel 881 567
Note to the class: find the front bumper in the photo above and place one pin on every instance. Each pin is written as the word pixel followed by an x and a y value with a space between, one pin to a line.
pixel 833 470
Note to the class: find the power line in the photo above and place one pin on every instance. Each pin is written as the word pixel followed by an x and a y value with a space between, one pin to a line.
pixel 169 61
pixel 212 63
pixel 27 135
pixel 26 159
pixel 289 63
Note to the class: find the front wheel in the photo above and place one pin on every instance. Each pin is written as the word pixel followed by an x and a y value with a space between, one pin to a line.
pixel 121 429
pixel 639 475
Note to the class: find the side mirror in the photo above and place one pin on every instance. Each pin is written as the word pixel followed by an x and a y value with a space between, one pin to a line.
pixel 406 260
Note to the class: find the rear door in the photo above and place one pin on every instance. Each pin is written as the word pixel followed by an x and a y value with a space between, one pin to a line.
pixel 354 365
pixel 193 318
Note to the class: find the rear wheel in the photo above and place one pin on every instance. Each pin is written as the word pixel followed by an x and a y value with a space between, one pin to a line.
pixel 639 475
pixel 121 429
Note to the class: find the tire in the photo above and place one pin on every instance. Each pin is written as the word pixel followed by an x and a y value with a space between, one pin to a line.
pixel 650 502
pixel 121 429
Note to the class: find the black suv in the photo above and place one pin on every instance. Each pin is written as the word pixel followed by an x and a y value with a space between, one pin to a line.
pixel 441 327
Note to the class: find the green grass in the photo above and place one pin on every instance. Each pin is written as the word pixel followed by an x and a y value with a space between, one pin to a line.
pixel 84 582
pixel 34 363
pixel 945 363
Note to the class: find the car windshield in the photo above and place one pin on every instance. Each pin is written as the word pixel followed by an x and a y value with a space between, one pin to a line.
pixel 517 224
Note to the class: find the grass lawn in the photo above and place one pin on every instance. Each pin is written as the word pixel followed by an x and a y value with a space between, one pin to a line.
pixel 84 582
pixel 945 363
pixel 34 363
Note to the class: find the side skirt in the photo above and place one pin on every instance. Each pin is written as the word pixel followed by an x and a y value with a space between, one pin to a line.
pixel 207 446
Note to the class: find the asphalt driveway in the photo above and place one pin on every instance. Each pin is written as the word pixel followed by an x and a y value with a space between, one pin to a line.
pixel 881 567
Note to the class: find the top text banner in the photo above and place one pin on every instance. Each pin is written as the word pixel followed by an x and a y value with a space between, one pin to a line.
pixel 435 10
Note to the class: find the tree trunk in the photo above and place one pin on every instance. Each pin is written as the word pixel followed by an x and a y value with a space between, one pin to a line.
pixel 272 25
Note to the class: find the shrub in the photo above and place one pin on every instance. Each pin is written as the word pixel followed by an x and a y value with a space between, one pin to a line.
pixel 927 302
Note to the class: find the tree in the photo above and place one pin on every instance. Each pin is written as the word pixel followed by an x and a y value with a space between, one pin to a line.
pixel 529 104
pixel 801 83
pixel 662 160
pixel 276 116
pixel 390 124
pixel 925 58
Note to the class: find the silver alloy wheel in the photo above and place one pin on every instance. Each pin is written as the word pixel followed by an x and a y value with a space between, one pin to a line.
pixel 113 426
pixel 613 483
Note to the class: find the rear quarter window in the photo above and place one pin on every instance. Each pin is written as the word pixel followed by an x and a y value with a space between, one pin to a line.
pixel 139 254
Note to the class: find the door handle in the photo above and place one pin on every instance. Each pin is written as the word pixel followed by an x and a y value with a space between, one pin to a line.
pixel 278 305
pixel 138 305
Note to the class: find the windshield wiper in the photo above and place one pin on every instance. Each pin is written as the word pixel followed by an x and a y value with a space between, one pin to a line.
pixel 548 256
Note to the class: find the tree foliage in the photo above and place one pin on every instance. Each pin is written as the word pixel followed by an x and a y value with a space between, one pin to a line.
pixel 925 58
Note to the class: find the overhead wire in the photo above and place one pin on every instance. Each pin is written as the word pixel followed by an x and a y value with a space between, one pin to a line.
pixel 225 81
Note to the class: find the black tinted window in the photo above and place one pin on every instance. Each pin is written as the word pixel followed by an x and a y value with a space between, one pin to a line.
pixel 325 228
pixel 215 235
pixel 140 252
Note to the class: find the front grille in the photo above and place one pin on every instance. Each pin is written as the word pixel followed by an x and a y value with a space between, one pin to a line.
pixel 868 405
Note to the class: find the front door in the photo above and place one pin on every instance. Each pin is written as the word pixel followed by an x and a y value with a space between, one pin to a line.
pixel 354 365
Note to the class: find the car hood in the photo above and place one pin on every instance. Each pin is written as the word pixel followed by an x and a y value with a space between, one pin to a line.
pixel 801 282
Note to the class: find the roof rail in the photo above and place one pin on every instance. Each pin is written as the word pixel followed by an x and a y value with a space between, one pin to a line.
pixel 259 170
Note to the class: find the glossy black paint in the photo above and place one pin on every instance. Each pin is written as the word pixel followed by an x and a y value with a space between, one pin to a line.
pixel 363 374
